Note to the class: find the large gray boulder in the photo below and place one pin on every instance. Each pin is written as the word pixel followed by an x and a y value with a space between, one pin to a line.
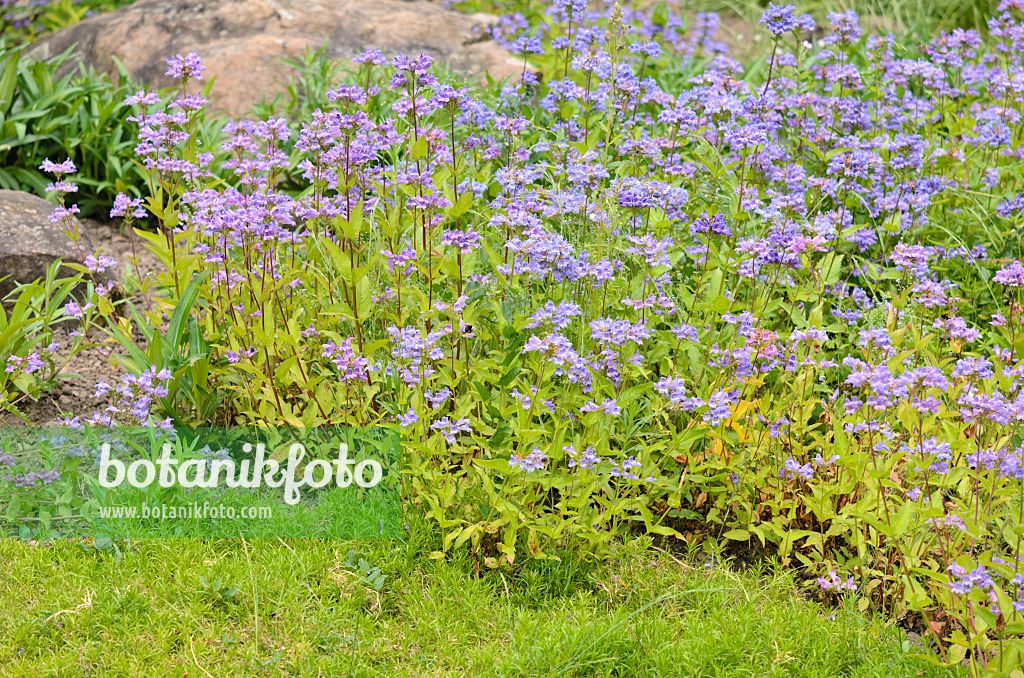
pixel 243 41
pixel 29 242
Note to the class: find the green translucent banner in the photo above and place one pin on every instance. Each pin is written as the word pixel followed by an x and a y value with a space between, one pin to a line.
pixel 337 482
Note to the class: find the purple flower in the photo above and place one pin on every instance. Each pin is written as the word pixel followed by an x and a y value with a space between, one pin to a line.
pixel 143 98
pixel 911 258
pixel 371 56
pixel 821 462
pixel 938 451
pixel 616 332
pixel 183 68
pixel 27 364
pixel 409 418
pixel 609 407
pixel 60 213
pixel 34 478
pixel 66 167
pixel 792 469
pixel 449 428
pixel 877 337
pixel 588 460
pixel 650 48
pixel 555 347
pixel 833 582
pixel 61 187
pixel 438 399
pixel 780 19
pixel 654 251
pixel 532 462
pixel 123 205
pixel 99 264
pixel 403 260
pixel 351 365
pixel 1011 275
pixel 190 102
pixel 673 388
pixel 466 241
pixel 558 316
pixel 626 470
pixel 964 582
pixel 353 93
pixel 948 521
pixel 73 310
pixel 973 366
pixel 845 27
pixel 525 44
pixel 719 407
pixel 102 388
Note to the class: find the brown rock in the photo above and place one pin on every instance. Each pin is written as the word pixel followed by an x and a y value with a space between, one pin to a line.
pixel 242 42
pixel 29 242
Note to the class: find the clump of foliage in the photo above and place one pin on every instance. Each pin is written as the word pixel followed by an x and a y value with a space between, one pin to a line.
pixel 638 289
pixel 81 116
pixel 28 319
pixel 22 21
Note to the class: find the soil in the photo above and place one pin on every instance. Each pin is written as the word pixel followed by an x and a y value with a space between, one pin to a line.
pixel 73 394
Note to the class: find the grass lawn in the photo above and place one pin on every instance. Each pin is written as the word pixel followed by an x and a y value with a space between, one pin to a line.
pixel 276 608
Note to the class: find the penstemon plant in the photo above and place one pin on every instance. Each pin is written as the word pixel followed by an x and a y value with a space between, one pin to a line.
pixel 646 292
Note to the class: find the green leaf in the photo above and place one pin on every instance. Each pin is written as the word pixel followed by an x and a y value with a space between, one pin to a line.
pixel 419 148
pixel 176 328
pixel 660 15
pixel 461 205
pixel 721 305
pixel 364 298
pixel 8 81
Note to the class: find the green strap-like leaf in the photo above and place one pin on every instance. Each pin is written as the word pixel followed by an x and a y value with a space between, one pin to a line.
pixel 179 318
pixel 8 81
